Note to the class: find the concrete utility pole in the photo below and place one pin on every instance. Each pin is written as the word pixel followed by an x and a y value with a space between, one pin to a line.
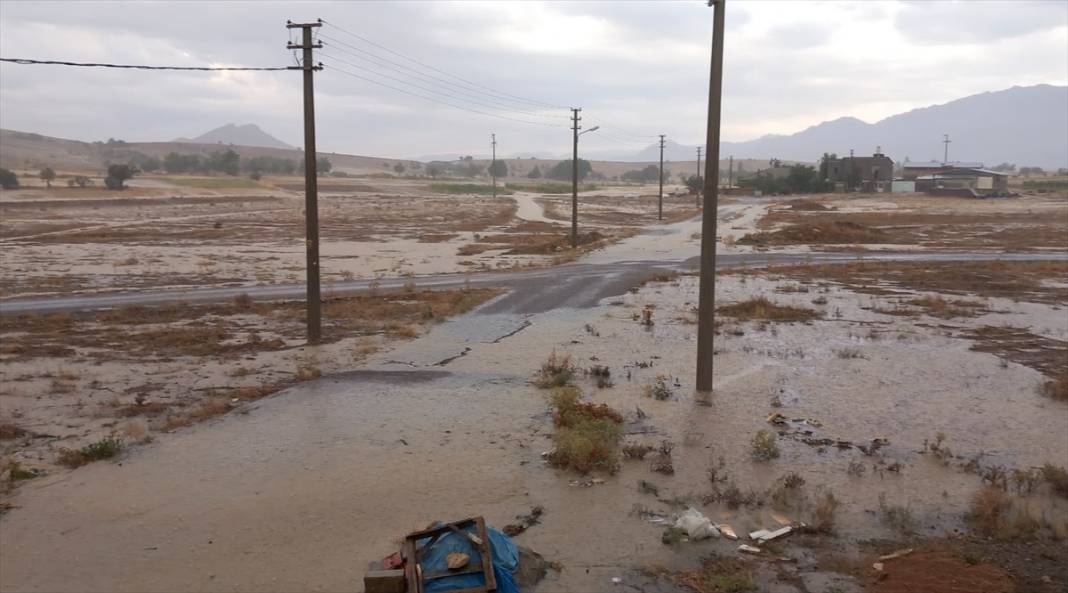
pixel 311 185
pixel 945 155
pixel 706 310
pixel 730 174
pixel 698 175
pixel 574 175
pixel 493 164
pixel 660 203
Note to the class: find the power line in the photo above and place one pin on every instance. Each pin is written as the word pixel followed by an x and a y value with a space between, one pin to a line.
pixel 377 60
pixel 446 103
pixel 428 89
pixel 440 71
pixel 25 61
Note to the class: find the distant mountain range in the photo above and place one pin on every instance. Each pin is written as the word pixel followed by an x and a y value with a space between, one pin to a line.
pixel 246 135
pixel 1020 125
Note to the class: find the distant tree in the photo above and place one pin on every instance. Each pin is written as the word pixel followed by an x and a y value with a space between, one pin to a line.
pixel 399 168
pixel 433 171
pixel 323 165
pixel 470 169
pixel 117 176
pixel 255 176
pixel 498 169
pixel 1004 167
pixel 182 163
pixel 1062 171
pixel 535 173
pixel 149 164
pixel 648 174
pixel 562 171
pixel 225 161
pixel 1029 171
pixel 8 179
pixel 47 175
pixel 695 184
pixel 467 158
pixel 79 181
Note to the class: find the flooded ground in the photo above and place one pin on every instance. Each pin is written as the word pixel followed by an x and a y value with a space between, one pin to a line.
pixel 301 489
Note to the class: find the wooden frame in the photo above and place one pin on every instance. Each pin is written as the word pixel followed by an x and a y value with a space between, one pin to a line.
pixel 413 572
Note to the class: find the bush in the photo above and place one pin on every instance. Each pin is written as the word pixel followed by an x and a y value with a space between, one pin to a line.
pixel 103 449
pixel 8 179
pixel 557 371
pixel 587 435
pixel 763 446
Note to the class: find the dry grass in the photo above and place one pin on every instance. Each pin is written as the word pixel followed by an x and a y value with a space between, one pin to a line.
pixel 103 449
pixel 719 575
pixel 587 435
pixel 764 447
pixel 818 233
pixel 995 513
pixel 936 306
pixel 760 308
pixel 557 371
pixel 1019 345
pixel 1057 387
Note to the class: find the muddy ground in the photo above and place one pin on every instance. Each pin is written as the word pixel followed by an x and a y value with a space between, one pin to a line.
pixel 905 390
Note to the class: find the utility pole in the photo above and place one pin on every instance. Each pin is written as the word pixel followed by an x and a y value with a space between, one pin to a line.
pixel 730 174
pixel 493 165
pixel 660 203
pixel 574 175
pixel 698 175
pixel 311 185
pixel 945 155
pixel 706 310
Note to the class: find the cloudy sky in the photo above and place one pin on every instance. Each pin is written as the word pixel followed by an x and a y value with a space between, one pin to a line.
pixel 636 68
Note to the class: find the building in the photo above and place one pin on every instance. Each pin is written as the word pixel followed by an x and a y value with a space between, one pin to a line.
pixel 964 181
pixel 912 170
pixel 859 173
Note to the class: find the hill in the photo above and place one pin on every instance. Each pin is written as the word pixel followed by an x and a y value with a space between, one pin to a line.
pixel 246 135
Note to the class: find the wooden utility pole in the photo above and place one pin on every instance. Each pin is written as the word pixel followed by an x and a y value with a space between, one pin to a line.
pixel 311 186
pixel 698 175
pixel 493 164
pixel 730 174
pixel 574 175
pixel 660 203
pixel 706 311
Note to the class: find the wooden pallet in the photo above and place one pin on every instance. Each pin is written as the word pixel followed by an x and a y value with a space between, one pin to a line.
pixel 413 572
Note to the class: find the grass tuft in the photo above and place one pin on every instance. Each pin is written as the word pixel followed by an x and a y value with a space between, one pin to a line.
pixel 761 308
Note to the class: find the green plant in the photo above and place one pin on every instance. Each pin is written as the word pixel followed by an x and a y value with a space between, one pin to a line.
pixel 763 446
pixel 17 472
pixel 557 371
pixel 587 435
pixel 105 448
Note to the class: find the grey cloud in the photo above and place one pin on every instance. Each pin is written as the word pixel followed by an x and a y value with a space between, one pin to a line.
pixel 945 22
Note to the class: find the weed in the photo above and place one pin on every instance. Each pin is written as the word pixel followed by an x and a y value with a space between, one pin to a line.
pixel 17 472
pixel 659 389
pixel 938 448
pixel 663 463
pixel 587 435
pixel 105 448
pixel 632 450
pixel 760 308
pixel 763 446
pixel 824 513
pixel 820 300
pixel 307 373
pixel 849 353
pixel 1057 478
pixel 1057 388
pixel 856 469
pixel 603 375
pixel 719 575
pixel 557 371
pixel 897 517
pixel 787 491
pixel 243 301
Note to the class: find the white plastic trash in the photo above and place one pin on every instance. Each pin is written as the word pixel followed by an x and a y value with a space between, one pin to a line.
pixel 696 525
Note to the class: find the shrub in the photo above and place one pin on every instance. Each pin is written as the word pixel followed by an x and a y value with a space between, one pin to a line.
pixel 1057 388
pixel 587 435
pixel 763 446
pixel 823 514
pixel 103 449
pixel 1057 478
pixel 557 371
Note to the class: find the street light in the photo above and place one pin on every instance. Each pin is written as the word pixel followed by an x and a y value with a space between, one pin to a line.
pixel 574 176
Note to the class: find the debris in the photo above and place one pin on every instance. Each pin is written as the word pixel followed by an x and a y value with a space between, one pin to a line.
pixel 748 549
pixel 384 581
pixel 616 580
pixel 586 482
pixel 776 418
pixel 897 554
pixel 781 520
pixel 456 560
pixel 727 531
pixel 696 525
pixel 758 534
pixel 672 536
pixel 878 566
pixel 525 522
pixel 776 534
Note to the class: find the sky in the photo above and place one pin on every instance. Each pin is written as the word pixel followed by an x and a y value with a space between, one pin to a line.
pixel 637 69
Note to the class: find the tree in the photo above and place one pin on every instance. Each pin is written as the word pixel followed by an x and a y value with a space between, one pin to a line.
pixel 433 171
pixel 562 171
pixel 535 173
pixel 1004 167
pixel 649 174
pixel 8 179
pixel 117 176
pixel 47 175
pixel 695 184
pixel 399 168
pixel 323 165
pixel 79 181
pixel 498 169
pixel 228 162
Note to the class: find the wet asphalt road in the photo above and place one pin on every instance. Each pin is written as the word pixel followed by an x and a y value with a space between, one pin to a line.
pixel 576 285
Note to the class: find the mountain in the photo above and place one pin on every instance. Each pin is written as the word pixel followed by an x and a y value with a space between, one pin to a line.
pixel 246 135
pixel 1027 126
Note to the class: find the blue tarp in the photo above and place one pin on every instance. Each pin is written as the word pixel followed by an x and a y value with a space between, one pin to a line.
pixel 505 561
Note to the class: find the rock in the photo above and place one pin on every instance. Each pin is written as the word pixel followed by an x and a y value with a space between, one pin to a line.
pixel 457 560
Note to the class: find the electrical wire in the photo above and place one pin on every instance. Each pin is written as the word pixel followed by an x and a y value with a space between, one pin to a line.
pixel 435 100
pixel 431 90
pixel 137 66
pixel 403 70
pixel 484 88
